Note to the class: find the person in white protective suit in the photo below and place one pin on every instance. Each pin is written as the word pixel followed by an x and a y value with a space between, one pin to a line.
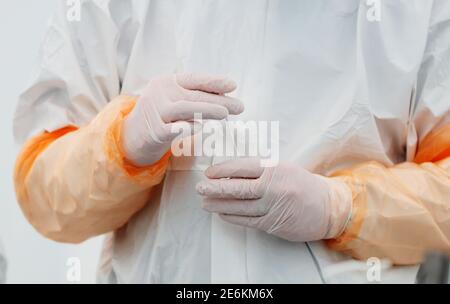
pixel 363 107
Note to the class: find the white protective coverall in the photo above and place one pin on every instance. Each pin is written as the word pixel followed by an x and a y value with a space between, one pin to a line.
pixel 346 89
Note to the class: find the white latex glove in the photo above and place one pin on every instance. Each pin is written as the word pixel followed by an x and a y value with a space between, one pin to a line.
pixel 286 201
pixel 168 100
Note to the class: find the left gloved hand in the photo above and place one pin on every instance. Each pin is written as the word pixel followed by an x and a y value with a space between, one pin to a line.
pixel 286 201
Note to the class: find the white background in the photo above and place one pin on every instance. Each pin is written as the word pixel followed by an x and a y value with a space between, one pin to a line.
pixel 31 258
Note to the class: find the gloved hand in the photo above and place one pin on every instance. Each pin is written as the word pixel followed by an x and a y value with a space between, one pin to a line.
pixel 147 131
pixel 286 201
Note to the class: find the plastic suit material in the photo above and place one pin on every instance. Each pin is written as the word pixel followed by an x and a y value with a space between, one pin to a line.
pixel 74 184
pixel 403 211
pixel 167 101
pixel 285 201
pixel 352 97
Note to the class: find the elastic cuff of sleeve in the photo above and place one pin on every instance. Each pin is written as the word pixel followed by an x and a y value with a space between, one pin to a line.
pixel 340 207
pixel 352 228
pixel 114 151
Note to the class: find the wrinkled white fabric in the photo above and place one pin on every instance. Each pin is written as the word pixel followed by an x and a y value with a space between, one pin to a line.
pixel 150 128
pixel 286 201
pixel 344 89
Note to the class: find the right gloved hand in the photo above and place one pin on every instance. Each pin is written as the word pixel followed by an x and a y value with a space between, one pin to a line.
pixel 168 100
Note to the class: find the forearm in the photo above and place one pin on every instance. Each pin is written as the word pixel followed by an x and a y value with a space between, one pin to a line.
pixel 402 211
pixel 75 183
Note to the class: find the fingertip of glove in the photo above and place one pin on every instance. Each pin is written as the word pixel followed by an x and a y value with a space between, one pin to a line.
pixel 210 172
pixel 239 108
pixel 201 188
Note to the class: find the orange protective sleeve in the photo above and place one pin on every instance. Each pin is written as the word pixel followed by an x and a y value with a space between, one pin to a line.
pixel 403 211
pixel 73 184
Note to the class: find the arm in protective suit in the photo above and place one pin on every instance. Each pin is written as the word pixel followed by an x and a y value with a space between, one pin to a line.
pixel 95 167
pixel 402 211
pixel 73 184
pixel 72 181
pixel 76 183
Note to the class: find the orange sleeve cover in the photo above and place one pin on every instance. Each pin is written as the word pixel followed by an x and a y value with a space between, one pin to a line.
pixel 73 184
pixel 403 211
